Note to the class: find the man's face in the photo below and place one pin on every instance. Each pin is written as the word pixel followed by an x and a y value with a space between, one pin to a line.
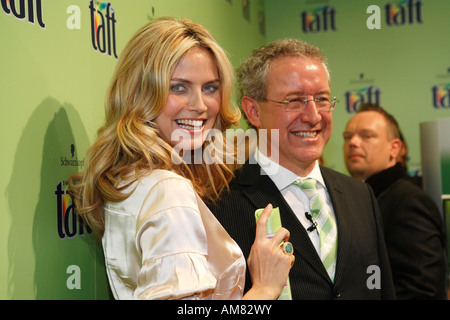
pixel 302 134
pixel 368 146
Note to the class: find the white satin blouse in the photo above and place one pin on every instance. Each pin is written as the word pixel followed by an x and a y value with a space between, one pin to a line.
pixel 164 243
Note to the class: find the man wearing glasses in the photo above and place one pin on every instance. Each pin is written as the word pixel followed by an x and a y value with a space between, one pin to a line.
pixel 334 221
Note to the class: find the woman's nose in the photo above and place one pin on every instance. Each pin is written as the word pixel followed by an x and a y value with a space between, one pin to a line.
pixel 197 103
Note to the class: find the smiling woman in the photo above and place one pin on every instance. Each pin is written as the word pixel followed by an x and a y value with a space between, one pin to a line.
pixel 160 241
pixel 150 83
pixel 194 99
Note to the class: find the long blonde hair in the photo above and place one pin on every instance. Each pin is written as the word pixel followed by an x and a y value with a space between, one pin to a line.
pixel 128 145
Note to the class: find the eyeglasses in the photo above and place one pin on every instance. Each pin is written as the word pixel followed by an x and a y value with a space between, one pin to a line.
pixel 299 103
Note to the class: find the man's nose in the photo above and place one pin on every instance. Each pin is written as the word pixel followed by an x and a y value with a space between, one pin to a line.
pixel 310 113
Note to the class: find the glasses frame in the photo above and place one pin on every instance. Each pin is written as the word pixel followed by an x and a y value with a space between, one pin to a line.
pixel 286 103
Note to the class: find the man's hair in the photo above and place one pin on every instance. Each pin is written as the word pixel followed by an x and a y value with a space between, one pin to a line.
pixel 391 121
pixel 252 72
pixel 251 75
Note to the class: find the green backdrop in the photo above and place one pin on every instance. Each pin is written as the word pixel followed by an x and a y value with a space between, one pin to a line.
pixel 53 80
pixel 401 64
pixel 54 74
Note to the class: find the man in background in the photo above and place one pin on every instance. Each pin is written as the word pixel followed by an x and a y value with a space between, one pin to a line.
pixel 412 223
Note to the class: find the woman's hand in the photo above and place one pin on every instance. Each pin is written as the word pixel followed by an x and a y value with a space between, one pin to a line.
pixel 269 266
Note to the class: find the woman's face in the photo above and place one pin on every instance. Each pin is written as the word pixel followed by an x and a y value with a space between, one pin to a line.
pixel 193 103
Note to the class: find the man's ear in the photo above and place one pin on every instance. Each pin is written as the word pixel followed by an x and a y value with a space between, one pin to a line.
pixel 251 109
pixel 396 146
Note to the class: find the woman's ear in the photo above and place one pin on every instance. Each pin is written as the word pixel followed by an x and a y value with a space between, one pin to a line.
pixel 251 109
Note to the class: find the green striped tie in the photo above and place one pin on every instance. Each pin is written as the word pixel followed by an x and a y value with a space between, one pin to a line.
pixel 326 225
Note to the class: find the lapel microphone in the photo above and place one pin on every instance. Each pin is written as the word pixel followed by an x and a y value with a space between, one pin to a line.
pixel 310 219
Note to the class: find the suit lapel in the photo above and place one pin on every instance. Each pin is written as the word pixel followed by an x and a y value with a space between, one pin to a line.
pixel 344 223
pixel 261 191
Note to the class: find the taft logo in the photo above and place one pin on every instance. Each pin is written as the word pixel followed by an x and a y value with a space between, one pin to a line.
pixel 103 28
pixel 69 224
pixel 404 12
pixel 441 96
pixel 318 20
pixel 22 10
pixel 354 98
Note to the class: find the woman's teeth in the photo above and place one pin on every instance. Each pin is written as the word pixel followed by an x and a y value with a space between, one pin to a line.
pixel 189 124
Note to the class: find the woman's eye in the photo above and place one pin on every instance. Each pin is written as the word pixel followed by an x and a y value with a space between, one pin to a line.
pixel 210 88
pixel 178 88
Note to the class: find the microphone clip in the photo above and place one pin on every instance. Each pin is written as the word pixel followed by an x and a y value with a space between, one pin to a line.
pixel 310 219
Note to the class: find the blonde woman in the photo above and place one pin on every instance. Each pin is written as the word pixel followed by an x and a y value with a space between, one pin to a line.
pixel 160 240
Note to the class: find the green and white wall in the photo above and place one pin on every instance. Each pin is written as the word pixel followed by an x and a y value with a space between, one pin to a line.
pixel 54 73
pixel 404 65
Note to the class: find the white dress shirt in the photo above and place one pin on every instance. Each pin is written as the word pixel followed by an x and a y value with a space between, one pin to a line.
pixel 162 242
pixel 294 195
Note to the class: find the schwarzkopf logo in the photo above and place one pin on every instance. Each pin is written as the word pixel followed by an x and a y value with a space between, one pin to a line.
pixel 362 79
pixel 73 161
pixel 444 75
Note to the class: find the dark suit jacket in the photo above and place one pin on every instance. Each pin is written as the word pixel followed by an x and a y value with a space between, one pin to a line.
pixel 414 235
pixel 360 235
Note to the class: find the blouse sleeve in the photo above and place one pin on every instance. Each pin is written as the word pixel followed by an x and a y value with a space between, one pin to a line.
pixel 171 240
